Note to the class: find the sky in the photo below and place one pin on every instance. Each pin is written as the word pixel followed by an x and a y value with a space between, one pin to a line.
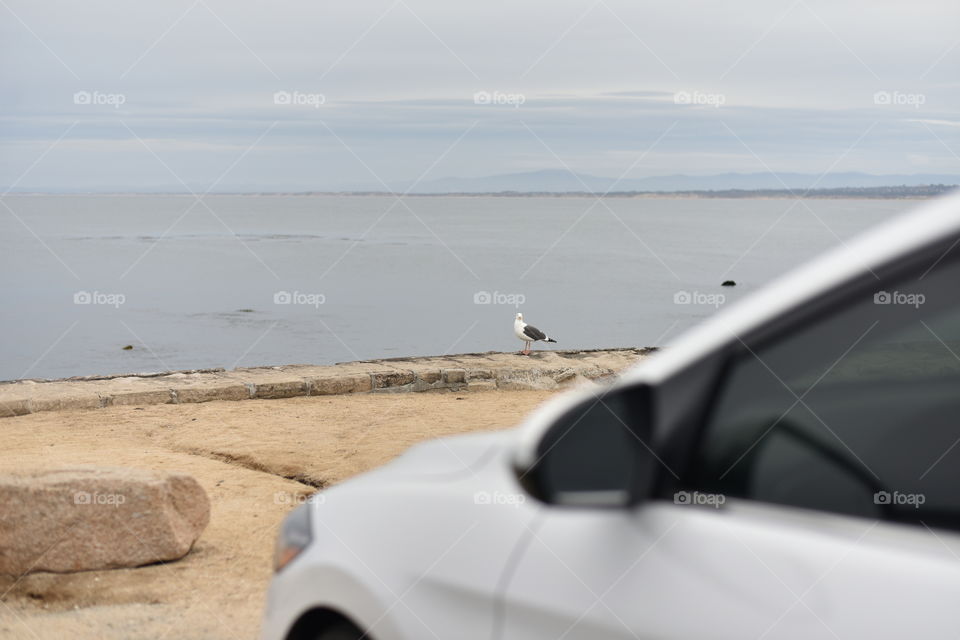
pixel 210 95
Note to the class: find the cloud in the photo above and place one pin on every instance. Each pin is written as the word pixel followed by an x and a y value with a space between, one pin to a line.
pixel 599 86
pixel 939 123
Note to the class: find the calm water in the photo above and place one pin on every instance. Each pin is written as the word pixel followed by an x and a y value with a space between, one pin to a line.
pixel 369 277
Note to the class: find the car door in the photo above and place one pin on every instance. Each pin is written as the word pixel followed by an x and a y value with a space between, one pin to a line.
pixel 820 497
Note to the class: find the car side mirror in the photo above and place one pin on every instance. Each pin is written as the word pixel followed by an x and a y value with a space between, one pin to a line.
pixel 597 453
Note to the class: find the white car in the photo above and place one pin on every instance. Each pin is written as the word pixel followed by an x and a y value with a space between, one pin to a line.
pixel 788 469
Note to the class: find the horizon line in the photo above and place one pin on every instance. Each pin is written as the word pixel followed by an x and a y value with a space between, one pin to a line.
pixel 922 189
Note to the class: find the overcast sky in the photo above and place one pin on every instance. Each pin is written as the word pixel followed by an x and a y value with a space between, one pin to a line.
pixel 339 94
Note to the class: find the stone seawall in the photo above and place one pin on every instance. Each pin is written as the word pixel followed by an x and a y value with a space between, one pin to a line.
pixel 463 372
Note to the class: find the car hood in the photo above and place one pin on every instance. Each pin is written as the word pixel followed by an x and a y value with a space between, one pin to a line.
pixel 452 456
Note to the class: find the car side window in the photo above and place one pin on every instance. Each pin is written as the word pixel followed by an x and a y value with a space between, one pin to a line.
pixel 855 413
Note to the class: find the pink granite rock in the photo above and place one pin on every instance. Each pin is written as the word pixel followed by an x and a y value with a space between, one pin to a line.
pixel 86 518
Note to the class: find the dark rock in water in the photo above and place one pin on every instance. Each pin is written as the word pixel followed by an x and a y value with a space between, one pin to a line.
pixel 728 283
pixel 128 347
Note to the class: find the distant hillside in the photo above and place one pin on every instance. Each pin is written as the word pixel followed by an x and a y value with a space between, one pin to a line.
pixel 561 181
pixel 898 192
pixel 903 191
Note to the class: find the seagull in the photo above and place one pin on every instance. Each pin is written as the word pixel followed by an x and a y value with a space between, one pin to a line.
pixel 528 333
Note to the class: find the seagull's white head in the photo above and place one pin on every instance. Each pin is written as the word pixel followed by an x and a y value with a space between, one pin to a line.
pixel 520 317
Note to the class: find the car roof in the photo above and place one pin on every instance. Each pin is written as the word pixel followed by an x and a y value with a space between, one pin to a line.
pixel 935 220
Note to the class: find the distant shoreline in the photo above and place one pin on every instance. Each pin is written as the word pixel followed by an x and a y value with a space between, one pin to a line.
pixel 920 192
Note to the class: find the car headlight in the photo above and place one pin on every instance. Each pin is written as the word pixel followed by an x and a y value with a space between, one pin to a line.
pixel 294 537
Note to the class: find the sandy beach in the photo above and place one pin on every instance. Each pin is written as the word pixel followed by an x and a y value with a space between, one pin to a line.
pixel 243 454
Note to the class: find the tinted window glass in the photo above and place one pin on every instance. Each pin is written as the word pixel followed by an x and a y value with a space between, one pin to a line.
pixel 857 413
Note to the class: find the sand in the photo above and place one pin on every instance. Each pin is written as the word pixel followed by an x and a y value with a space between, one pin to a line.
pixel 254 458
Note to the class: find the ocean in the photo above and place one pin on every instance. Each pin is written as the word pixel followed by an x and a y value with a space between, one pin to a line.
pixel 238 281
